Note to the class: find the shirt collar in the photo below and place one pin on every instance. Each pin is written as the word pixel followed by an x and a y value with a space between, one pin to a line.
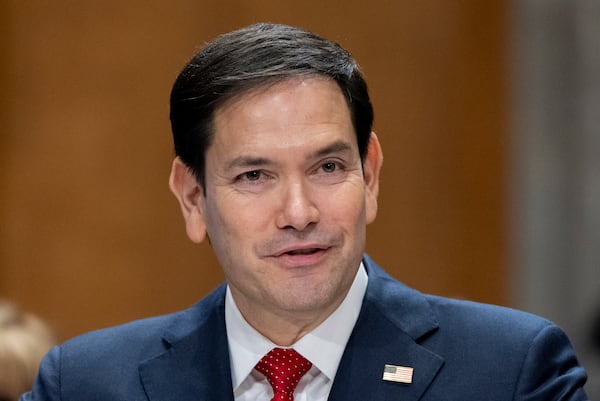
pixel 324 346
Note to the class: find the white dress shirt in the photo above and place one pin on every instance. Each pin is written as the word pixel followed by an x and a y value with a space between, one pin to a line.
pixel 323 346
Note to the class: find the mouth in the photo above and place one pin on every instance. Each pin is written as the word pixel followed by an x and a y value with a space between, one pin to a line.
pixel 302 255
pixel 301 250
pixel 304 251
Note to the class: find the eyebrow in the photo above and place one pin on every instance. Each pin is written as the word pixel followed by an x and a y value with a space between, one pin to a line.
pixel 251 161
pixel 335 147
pixel 248 161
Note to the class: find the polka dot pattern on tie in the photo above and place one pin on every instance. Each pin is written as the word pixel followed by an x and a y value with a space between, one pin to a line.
pixel 283 368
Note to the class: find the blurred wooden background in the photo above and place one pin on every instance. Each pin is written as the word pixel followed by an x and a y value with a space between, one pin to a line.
pixel 90 235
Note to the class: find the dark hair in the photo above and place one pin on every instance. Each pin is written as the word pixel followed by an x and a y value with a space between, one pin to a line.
pixel 251 57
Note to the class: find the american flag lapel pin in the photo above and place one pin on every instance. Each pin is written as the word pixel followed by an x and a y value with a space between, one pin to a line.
pixel 398 374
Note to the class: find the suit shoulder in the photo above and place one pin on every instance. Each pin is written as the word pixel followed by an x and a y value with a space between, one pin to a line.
pixel 104 364
pixel 137 330
pixel 419 314
pixel 479 319
pixel 144 337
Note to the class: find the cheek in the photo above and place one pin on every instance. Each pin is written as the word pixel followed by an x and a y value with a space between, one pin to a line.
pixel 231 222
pixel 217 227
pixel 347 211
pixel 349 203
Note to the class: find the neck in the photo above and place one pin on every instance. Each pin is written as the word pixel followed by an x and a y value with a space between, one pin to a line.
pixel 284 332
pixel 283 328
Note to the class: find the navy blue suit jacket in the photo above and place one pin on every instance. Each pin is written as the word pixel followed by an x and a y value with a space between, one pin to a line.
pixel 459 350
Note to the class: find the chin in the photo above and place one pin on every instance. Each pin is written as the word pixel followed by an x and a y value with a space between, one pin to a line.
pixel 301 300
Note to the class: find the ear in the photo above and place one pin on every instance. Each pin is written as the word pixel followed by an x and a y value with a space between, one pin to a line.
pixel 190 195
pixel 372 168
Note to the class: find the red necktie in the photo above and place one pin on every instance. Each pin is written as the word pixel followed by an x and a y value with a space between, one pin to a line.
pixel 283 368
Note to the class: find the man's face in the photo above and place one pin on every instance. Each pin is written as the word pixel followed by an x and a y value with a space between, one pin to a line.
pixel 286 200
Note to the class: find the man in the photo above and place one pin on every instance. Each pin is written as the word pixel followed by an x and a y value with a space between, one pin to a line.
pixel 277 165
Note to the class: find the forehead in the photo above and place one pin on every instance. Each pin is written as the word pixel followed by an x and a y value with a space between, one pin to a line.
pixel 317 84
pixel 313 102
pixel 294 121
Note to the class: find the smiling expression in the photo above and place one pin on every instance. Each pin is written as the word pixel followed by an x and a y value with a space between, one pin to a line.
pixel 286 199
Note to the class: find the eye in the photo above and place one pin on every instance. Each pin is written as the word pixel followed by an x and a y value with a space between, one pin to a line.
pixel 253 175
pixel 329 167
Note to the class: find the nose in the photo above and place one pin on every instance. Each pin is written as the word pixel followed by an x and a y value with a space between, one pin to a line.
pixel 298 209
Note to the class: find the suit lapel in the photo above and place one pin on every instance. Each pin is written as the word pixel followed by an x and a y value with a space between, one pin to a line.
pixel 195 364
pixel 392 321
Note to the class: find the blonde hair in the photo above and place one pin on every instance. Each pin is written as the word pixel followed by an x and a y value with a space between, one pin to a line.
pixel 24 340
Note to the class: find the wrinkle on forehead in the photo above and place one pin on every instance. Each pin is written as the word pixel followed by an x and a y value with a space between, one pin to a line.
pixel 298 117
pixel 279 93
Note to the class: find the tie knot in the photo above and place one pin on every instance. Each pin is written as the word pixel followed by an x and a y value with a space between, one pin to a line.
pixel 283 368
